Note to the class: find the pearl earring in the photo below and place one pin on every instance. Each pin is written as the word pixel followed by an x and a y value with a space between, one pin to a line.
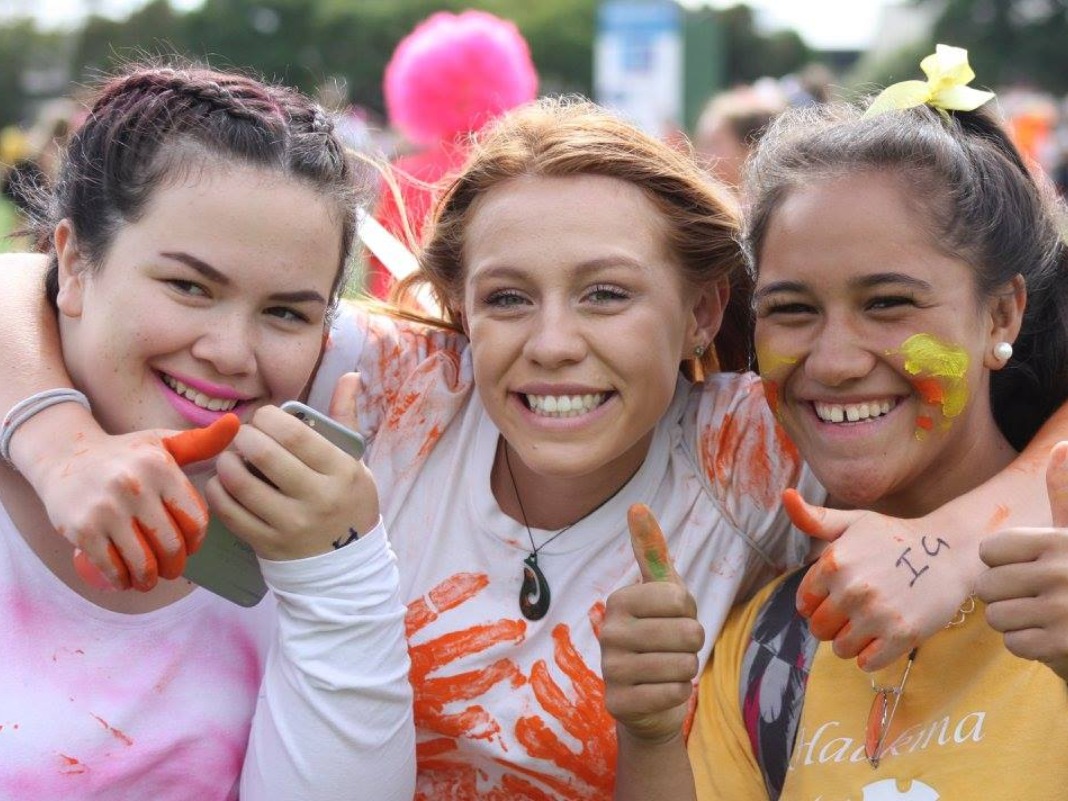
pixel 1003 351
pixel 699 351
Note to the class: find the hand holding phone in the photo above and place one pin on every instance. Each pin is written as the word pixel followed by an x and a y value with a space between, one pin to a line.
pixel 289 505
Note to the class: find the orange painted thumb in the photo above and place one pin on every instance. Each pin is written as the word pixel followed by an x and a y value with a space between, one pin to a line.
pixel 198 444
pixel 1057 484
pixel 650 547
pixel 816 521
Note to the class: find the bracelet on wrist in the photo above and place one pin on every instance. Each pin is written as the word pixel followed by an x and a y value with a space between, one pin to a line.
pixel 25 409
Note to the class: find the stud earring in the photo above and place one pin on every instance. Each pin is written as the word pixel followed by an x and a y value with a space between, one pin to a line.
pixel 699 351
pixel 1003 351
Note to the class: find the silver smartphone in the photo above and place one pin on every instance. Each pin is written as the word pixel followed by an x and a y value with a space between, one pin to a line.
pixel 225 564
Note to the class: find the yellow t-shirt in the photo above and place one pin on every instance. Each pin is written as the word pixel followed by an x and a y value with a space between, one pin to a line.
pixel 974 722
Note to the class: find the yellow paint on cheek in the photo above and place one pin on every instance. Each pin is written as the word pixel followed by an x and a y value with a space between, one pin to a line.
pixel 942 369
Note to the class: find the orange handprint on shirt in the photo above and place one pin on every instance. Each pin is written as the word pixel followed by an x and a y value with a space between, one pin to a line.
pixel 432 695
pixel 582 714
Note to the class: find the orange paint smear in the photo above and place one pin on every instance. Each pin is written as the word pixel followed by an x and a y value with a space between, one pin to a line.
pixel 738 460
pixel 187 527
pixel 451 592
pixel 198 444
pixel 457 644
pixel 997 520
pixel 924 422
pixel 652 547
pixel 91 575
pixel 432 437
pixel 800 513
pixel 583 717
pixel 144 576
pixel 931 390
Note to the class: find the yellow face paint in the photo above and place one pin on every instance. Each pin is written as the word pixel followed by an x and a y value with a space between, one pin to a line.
pixel 942 369
pixel 771 365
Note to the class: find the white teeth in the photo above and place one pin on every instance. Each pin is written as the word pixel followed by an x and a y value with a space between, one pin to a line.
pixel 564 405
pixel 853 412
pixel 199 398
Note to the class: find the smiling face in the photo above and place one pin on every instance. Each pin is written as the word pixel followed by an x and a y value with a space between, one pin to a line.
pixel 214 300
pixel 578 319
pixel 875 349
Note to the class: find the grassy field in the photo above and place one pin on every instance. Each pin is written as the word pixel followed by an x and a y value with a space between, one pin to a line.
pixel 8 220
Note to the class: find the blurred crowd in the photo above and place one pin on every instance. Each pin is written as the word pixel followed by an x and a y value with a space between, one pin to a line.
pixel 454 72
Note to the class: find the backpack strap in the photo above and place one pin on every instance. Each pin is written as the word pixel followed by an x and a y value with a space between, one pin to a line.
pixel 774 675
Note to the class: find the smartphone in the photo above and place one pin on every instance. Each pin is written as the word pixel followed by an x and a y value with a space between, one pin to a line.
pixel 225 564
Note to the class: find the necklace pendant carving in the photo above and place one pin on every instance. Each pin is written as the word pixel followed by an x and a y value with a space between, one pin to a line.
pixel 534 594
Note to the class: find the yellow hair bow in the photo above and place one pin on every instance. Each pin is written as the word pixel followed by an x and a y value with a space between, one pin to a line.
pixel 945 89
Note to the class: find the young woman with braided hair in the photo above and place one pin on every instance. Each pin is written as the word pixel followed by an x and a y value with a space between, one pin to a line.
pixel 197 238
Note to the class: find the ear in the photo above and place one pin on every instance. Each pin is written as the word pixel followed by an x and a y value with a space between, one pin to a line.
pixel 707 316
pixel 1006 308
pixel 72 270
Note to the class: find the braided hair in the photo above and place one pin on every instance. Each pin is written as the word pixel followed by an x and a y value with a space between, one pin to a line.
pixel 150 123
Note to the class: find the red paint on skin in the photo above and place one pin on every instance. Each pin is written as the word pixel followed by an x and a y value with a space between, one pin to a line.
pixel 931 390
pixel 131 485
pixel 924 422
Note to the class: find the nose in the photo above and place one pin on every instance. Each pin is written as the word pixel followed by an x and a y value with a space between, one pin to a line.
pixel 837 354
pixel 228 343
pixel 556 336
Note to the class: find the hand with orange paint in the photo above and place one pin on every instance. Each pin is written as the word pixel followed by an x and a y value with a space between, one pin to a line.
pixel 650 639
pixel 862 591
pixel 1026 586
pixel 137 516
pixel 318 494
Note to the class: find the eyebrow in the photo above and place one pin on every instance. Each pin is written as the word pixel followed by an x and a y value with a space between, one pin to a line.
pixel 864 282
pixel 583 268
pixel 209 272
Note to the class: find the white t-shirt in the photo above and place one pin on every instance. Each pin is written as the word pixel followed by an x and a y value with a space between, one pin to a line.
pixel 117 707
pixel 504 706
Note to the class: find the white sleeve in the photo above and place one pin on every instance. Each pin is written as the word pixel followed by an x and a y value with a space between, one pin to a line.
pixel 334 717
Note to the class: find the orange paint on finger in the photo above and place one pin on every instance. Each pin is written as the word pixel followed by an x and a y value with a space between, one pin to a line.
pixel 143 579
pixel 198 444
pixel 92 575
pixel 187 527
pixel 800 513
pixel 650 539
pixel 827 621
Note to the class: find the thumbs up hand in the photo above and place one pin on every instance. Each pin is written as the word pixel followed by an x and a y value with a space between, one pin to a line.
pixel 650 640
pixel 1026 584
pixel 882 584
